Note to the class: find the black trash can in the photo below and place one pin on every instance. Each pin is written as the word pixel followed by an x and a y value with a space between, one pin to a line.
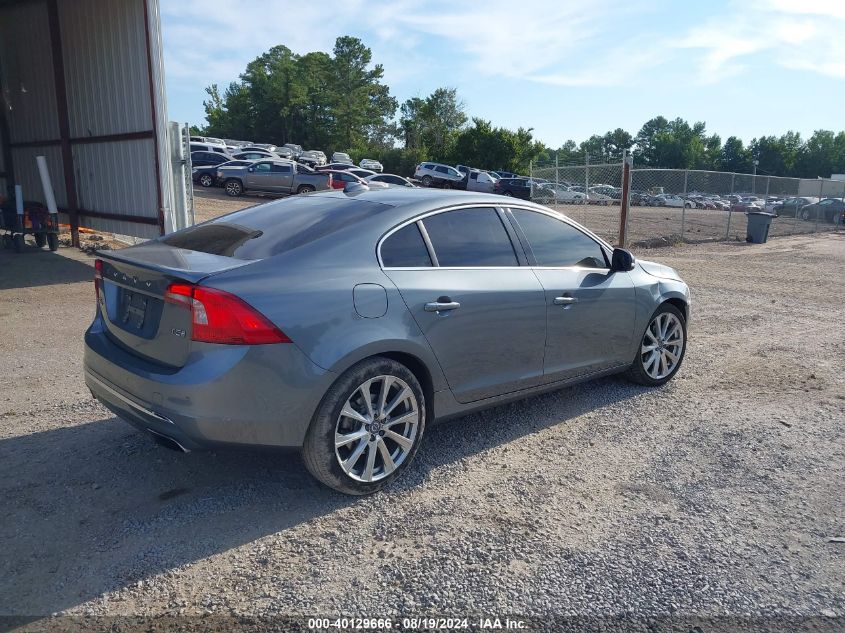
pixel 758 226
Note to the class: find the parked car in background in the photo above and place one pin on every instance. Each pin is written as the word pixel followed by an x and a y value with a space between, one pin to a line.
pixel 295 149
pixel 341 157
pixel 482 181
pixel 672 200
pixel 361 173
pixel 505 174
pixel 341 178
pixel 265 300
pixel 209 147
pixel 338 166
pixel 827 210
pixel 791 207
pixel 438 175
pixel 268 146
pixel 255 154
pixel 513 187
pixel 371 164
pixel 272 176
pixel 203 159
pixel 639 199
pixel 390 179
pixel 549 193
pixel 312 158
pixel 207 176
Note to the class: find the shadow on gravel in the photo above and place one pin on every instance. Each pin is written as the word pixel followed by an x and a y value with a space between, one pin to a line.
pixel 40 267
pixel 92 508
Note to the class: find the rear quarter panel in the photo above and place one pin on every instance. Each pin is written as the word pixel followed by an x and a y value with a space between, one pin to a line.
pixel 309 296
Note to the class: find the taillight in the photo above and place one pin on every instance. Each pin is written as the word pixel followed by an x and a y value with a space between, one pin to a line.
pixel 221 317
pixel 98 278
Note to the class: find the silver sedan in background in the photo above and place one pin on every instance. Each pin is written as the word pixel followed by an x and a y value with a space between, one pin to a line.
pixel 344 323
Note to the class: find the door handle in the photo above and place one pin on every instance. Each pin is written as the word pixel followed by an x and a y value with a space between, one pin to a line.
pixel 562 301
pixel 441 306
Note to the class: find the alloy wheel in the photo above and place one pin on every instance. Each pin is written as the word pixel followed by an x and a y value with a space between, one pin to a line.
pixel 662 345
pixel 376 428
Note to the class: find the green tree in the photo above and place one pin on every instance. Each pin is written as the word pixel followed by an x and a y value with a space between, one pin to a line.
pixel 734 156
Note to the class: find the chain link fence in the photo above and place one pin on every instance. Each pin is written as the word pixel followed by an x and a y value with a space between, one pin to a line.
pixel 590 194
pixel 671 206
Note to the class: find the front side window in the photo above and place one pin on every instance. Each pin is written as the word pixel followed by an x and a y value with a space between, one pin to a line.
pixel 557 244
pixel 262 167
pixel 470 237
pixel 405 249
pixel 441 169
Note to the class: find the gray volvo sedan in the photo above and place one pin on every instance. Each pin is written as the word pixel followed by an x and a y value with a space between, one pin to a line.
pixel 343 323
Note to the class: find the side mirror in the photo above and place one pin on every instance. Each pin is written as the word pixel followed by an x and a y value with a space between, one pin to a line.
pixel 250 169
pixel 622 261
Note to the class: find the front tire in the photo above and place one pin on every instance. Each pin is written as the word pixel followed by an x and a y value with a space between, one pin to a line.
pixel 426 181
pixel 367 429
pixel 661 349
pixel 233 188
pixel 206 180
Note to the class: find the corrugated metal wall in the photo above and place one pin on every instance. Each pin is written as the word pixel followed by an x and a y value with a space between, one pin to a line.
pixel 105 67
pixel 104 52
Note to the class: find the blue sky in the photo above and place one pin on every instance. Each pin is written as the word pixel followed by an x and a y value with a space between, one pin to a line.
pixel 568 69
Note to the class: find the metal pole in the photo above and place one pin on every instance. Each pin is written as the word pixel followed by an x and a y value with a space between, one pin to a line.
pixel 557 175
pixel 684 208
pixel 587 176
pixel 821 195
pixel 530 179
pixel 730 208
pixel 625 202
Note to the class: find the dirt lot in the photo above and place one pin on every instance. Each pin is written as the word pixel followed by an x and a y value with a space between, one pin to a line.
pixel 715 496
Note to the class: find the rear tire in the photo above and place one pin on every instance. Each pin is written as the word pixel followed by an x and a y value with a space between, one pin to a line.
pixel 364 456
pixel 645 371
pixel 305 189
pixel 40 239
pixel 805 215
pixel 233 187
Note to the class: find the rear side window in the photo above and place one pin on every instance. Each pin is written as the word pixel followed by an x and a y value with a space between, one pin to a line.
pixel 405 249
pixel 276 227
pixel 470 237
pixel 556 243
pixel 281 169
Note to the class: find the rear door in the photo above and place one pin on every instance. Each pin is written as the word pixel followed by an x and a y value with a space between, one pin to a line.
pixel 281 177
pixel 590 310
pixel 482 312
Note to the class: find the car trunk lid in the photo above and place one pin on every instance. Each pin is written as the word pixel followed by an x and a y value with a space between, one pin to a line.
pixel 132 298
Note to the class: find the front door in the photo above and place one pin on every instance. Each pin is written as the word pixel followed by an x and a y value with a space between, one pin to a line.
pixel 258 176
pixel 483 314
pixel 590 310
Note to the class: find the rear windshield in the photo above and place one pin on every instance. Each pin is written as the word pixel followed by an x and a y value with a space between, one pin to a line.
pixel 274 228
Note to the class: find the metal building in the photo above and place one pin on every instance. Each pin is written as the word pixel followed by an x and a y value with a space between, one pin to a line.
pixel 82 83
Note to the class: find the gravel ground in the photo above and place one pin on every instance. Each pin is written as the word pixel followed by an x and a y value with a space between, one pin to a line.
pixel 715 496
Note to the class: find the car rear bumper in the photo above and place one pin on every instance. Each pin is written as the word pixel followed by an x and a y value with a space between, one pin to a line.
pixel 262 395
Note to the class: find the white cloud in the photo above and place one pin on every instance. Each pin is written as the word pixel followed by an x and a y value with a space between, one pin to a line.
pixel 801 35
pixel 611 43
